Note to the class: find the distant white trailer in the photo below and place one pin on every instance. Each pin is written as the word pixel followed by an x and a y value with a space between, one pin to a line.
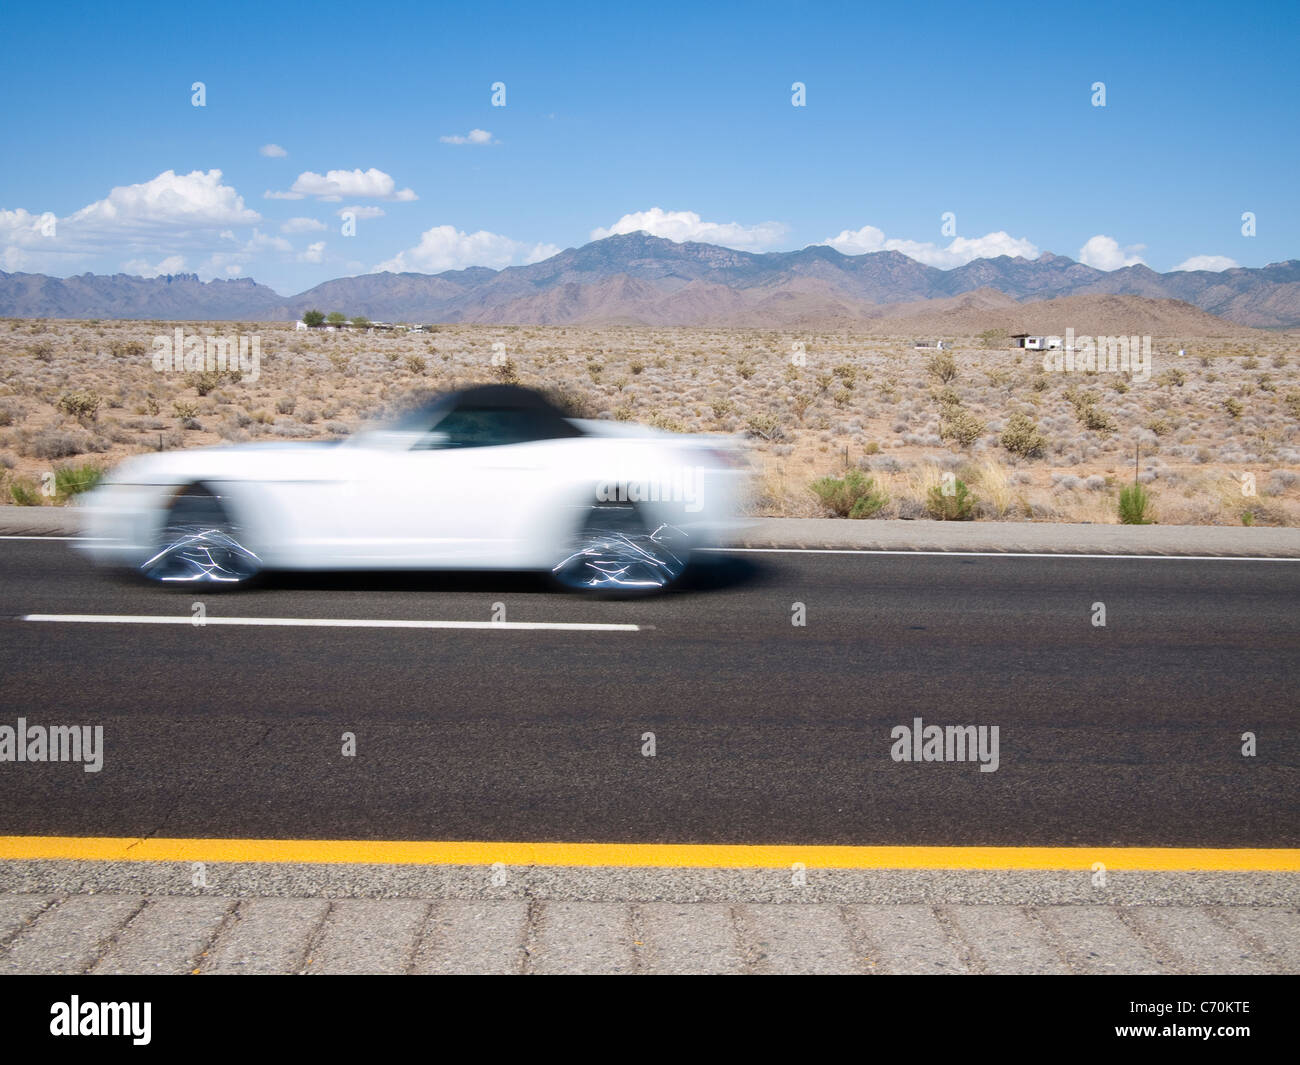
pixel 1035 343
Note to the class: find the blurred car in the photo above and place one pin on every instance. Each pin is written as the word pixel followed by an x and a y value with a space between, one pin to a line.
pixel 492 477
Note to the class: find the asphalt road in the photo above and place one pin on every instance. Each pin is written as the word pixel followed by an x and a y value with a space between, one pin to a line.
pixel 1123 735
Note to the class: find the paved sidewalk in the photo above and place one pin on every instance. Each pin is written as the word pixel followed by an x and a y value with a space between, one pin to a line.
pixel 62 916
pixel 61 934
pixel 892 535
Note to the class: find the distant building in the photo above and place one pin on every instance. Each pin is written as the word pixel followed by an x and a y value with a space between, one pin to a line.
pixel 937 345
pixel 300 325
pixel 1035 343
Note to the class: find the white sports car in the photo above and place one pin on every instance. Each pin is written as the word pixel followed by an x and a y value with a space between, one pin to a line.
pixel 492 477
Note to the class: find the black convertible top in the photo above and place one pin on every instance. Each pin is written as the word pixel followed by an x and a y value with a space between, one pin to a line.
pixel 529 405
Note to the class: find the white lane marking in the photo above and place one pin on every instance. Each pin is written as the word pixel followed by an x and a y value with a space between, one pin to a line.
pixel 329 623
pixel 53 537
pixel 989 554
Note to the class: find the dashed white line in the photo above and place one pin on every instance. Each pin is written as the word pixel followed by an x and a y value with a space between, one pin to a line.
pixel 329 623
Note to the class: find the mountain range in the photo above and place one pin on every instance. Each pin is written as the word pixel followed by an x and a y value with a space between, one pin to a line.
pixel 638 279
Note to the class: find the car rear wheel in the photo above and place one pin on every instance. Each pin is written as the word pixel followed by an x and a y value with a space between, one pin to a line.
pixel 200 544
pixel 618 553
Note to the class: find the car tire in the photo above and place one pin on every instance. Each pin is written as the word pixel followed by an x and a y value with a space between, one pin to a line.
pixel 618 553
pixel 199 543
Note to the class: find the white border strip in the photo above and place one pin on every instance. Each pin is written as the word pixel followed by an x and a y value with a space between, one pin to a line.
pixel 328 623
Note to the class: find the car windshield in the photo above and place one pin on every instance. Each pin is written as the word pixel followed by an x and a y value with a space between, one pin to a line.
pixel 489 416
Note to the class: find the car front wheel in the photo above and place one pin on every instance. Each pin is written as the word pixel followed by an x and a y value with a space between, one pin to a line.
pixel 619 553
pixel 200 543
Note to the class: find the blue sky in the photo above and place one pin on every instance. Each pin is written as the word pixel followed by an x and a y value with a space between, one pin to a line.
pixel 673 118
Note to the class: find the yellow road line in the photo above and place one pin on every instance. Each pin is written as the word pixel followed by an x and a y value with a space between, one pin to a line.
pixel 648 855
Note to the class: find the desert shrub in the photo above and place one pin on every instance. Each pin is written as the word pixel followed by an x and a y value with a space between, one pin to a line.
pixel 83 405
pixel 960 425
pixel 666 423
pixel 765 425
pixel 1093 417
pixel 958 504
pixel 42 351
pixel 745 368
pixel 204 382
pixel 416 364
pixel 841 397
pixel 1233 407
pixel 24 493
pixel 73 480
pixel 722 407
pixel 637 366
pixel 184 410
pixel 128 349
pixel 507 373
pixel 1022 437
pixel 570 402
pixel 1174 378
pixel 855 495
pixel 55 444
pixel 943 366
pixel 1134 505
pixel 285 405
pixel 846 373
pixel 1160 425
pixel 994 338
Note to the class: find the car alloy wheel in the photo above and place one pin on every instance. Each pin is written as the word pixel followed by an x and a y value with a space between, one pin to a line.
pixel 619 553
pixel 200 544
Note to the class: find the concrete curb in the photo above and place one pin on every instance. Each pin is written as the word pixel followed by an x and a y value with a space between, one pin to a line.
pixel 1033 537
pixel 677 885
pixel 841 534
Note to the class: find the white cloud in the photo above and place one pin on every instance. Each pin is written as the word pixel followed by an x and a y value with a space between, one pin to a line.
pixel 369 184
pixel 272 151
pixel 1104 253
pixel 302 225
pixel 169 201
pixel 166 215
pixel 1208 262
pixel 687 225
pixel 173 264
pixel 447 248
pixel 959 251
pixel 361 212
pixel 474 136
pixel 314 253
